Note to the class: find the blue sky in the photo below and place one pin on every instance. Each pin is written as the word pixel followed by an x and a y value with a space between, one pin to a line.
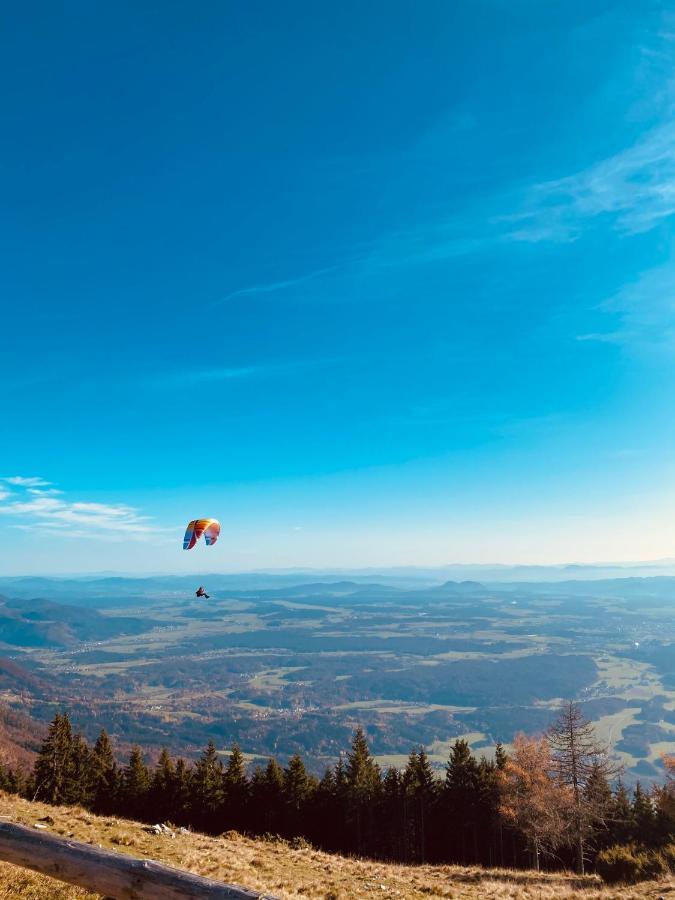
pixel 374 284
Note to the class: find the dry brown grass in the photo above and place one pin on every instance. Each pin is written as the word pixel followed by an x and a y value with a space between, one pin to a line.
pixel 276 868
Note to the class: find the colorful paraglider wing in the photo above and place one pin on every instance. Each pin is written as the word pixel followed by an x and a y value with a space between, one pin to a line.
pixel 193 532
pixel 212 532
pixel 196 529
pixel 189 540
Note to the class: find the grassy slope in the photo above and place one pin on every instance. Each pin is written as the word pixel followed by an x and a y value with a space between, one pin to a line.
pixel 290 874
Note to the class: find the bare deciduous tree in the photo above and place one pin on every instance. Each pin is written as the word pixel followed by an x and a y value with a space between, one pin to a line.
pixel 579 760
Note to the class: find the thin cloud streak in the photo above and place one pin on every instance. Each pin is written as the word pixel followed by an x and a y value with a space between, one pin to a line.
pixel 274 286
pixel 56 514
pixel 189 379
pixel 635 188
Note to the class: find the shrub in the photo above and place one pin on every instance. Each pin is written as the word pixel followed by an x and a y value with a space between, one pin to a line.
pixel 668 853
pixel 656 865
pixel 629 864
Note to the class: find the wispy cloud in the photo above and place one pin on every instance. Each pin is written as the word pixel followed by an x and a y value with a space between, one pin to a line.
pixel 191 378
pixel 633 189
pixel 37 509
pixel 273 286
pixel 20 481
pixel 643 312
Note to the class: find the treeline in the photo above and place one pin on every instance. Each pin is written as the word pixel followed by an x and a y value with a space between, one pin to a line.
pixel 551 801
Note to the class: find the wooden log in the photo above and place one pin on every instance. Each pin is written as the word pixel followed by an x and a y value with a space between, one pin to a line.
pixel 111 874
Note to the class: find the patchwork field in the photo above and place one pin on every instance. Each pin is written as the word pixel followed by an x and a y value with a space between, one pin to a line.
pixel 294 668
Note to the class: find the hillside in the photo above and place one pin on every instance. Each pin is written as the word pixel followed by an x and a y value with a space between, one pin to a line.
pixel 289 873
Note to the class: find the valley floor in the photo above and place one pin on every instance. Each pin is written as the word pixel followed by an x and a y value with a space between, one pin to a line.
pixel 291 874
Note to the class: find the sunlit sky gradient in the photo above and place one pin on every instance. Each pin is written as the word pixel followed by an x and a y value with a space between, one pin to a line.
pixel 374 284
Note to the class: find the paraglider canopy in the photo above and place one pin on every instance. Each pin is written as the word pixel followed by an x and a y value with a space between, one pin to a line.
pixel 210 528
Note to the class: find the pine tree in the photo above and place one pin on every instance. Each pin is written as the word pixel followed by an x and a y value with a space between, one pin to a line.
pixel 298 787
pixel 419 786
pixel 53 767
pixel 182 794
pixel 162 788
pixel 235 790
pixel 79 789
pixel 664 799
pixel 206 799
pixel 489 822
pixel 643 816
pixel 136 787
pixel 327 815
pixel 363 784
pixel 271 797
pixel 460 801
pixel 104 776
pixel 598 803
pixel 392 824
pixel 620 818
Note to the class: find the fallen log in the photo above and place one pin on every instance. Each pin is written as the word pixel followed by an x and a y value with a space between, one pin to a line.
pixel 113 875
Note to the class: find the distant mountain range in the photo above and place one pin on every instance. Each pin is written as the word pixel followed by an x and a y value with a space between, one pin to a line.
pixel 400 577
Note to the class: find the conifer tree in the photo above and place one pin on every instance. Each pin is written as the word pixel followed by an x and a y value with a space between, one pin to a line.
pixel 598 803
pixel 363 783
pixel 79 789
pixel 104 776
pixel 206 799
pixel 53 767
pixel 620 817
pixel 419 786
pixel 460 797
pixel 162 788
pixel 136 786
pixel 298 787
pixel 182 794
pixel 328 810
pixel 270 793
pixel 643 816
pixel 392 815
pixel 664 799
pixel 500 755
pixel 235 790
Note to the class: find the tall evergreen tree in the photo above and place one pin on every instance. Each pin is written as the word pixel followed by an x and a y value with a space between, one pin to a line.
pixel 419 786
pixel 643 816
pixel 162 788
pixel 136 787
pixel 270 794
pixel 298 787
pixel 79 789
pixel 206 800
pixel 363 784
pixel 599 806
pixel 392 822
pixel 235 791
pixel 460 801
pixel 53 767
pixel 104 775
pixel 182 794
pixel 620 817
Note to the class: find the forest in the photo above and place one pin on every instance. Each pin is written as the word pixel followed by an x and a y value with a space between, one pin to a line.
pixel 553 801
